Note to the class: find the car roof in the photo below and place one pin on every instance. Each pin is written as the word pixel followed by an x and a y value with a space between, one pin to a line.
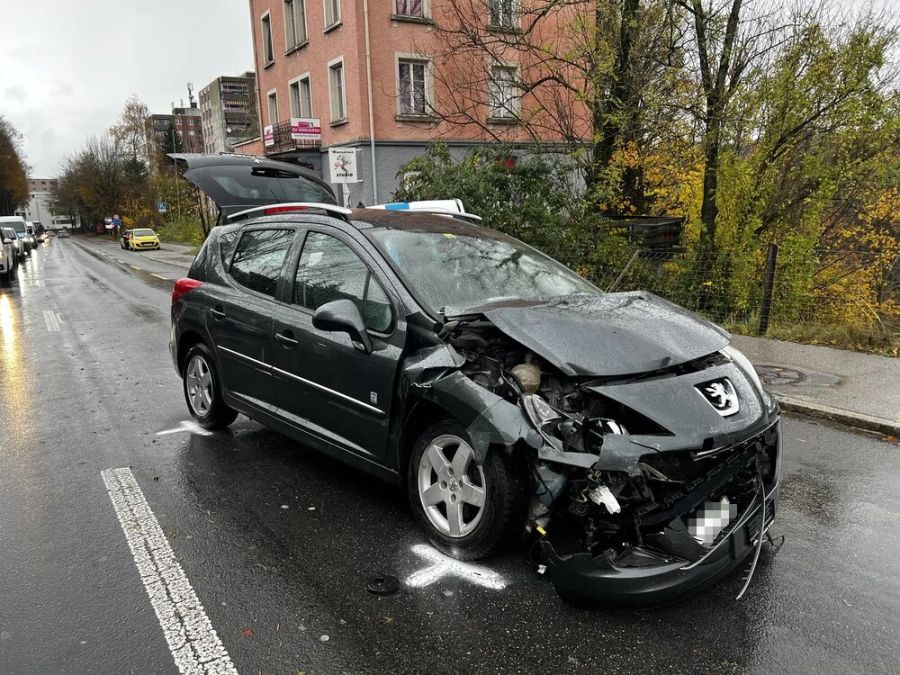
pixel 373 219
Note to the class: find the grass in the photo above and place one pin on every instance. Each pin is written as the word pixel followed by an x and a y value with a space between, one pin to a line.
pixel 875 338
pixel 186 231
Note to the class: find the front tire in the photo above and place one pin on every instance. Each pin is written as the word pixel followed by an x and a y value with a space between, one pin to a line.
pixel 467 510
pixel 202 390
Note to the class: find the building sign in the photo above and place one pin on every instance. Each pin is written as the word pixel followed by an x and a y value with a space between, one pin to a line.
pixel 306 129
pixel 268 136
pixel 342 165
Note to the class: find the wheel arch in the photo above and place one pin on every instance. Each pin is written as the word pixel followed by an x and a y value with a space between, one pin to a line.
pixel 420 415
pixel 188 338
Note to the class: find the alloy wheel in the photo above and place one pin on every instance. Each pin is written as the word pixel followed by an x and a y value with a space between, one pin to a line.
pixel 198 379
pixel 451 486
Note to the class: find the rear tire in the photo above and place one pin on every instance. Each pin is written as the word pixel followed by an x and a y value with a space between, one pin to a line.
pixel 466 510
pixel 202 390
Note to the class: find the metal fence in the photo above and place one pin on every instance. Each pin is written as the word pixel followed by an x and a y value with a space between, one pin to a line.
pixel 828 294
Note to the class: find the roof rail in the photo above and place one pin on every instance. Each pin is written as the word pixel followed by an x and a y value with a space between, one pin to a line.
pixel 470 218
pixel 291 207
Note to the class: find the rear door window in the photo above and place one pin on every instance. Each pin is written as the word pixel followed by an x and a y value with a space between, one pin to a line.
pixel 259 258
pixel 330 270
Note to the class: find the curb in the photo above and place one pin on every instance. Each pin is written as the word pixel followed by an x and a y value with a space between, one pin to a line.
pixel 853 419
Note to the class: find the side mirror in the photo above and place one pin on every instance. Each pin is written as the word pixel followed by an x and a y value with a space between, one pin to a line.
pixel 342 316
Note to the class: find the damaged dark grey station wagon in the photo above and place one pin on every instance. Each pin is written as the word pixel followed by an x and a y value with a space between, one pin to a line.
pixel 618 434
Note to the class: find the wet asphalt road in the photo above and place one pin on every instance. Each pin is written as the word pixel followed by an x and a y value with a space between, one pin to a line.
pixel 278 541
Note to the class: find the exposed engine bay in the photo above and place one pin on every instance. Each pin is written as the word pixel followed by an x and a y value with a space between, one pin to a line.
pixel 624 484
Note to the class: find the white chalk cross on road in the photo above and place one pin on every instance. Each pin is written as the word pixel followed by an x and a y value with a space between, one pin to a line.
pixel 443 565
pixel 194 644
pixel 190 427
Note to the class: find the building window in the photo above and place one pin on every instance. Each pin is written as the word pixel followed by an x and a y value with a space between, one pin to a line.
pixel 336 88
pixel 332 13
pixel 301 98
pixel 503 92
pixel 411 87
pixel 411 8
pixel 503 13
pixel 294 23
pixel 273 108
pixel 268 50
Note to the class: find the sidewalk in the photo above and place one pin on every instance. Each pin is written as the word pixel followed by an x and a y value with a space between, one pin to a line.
pixel 171 254
pixel 862 390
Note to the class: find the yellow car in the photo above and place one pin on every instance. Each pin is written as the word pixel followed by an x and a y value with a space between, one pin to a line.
pixel 143 238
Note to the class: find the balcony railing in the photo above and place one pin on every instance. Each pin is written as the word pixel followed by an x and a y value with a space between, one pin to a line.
pixel 284 142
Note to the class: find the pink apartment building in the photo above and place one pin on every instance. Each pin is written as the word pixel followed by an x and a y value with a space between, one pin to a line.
pixel 367 71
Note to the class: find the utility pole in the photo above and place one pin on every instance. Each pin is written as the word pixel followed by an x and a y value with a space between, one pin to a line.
pixel 175 175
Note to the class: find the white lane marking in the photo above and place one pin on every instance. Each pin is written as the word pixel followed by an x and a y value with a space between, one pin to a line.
pixel 51 321
pixel 193 641
pixel 120 261
pixel 188 425
pixel 160 276
pixel 134 267
pixel 442 565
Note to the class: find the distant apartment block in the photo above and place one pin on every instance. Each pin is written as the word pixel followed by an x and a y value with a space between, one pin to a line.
pixel 312 65
pixel 228 112
pixel 40 204
pixel 181 130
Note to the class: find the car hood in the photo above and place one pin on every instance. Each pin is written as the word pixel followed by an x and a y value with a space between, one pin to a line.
pixel 609 335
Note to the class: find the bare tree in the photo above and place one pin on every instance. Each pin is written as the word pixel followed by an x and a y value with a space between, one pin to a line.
pixel 580 74
pixel 130 132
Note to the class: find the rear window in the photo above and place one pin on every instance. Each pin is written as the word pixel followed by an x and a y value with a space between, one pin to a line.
pixel 244 184
pixel 144 233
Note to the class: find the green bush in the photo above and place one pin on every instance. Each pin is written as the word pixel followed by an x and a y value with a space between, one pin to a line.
pixel 531 198
pixel 185 230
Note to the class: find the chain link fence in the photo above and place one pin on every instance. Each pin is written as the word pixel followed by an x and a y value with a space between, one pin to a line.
pixel 850 298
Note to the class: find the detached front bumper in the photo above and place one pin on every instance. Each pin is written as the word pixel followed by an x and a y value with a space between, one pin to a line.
pixel 583 579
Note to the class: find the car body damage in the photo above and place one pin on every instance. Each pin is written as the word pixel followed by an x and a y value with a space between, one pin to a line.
pixel 653 448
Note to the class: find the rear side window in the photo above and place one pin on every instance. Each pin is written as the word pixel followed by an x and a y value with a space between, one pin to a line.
pixel 330 270
pixel 226 245
pixel 258 259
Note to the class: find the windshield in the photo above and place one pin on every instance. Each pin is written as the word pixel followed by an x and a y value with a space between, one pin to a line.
pixel 462 269
pixel 144 233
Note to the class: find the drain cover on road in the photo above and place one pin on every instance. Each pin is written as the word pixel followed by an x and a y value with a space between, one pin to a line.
pixel 775 376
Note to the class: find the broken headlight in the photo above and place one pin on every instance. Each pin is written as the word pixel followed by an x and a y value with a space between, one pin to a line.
pixel 744 364
pixel 542 415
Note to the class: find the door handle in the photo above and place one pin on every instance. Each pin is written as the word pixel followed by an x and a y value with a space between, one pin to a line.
pixel 286 339
pixel 217 312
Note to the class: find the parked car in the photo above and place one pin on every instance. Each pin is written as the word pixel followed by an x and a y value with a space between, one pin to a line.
pixel 142 239
pixel 20 226
pixel 622 434
pixel 31 234
pixel 126 236
pixel 19 246
pixel 8 254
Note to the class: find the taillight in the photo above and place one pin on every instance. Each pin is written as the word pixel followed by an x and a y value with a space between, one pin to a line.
pixel 183 286
pixel 275 210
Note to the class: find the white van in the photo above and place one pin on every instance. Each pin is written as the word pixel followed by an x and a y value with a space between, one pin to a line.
pixel 20 225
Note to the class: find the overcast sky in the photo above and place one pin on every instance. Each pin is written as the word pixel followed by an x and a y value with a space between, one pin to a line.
pixel 67 66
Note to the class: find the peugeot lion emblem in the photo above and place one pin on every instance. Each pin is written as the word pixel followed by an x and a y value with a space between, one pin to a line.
pixel 721 395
